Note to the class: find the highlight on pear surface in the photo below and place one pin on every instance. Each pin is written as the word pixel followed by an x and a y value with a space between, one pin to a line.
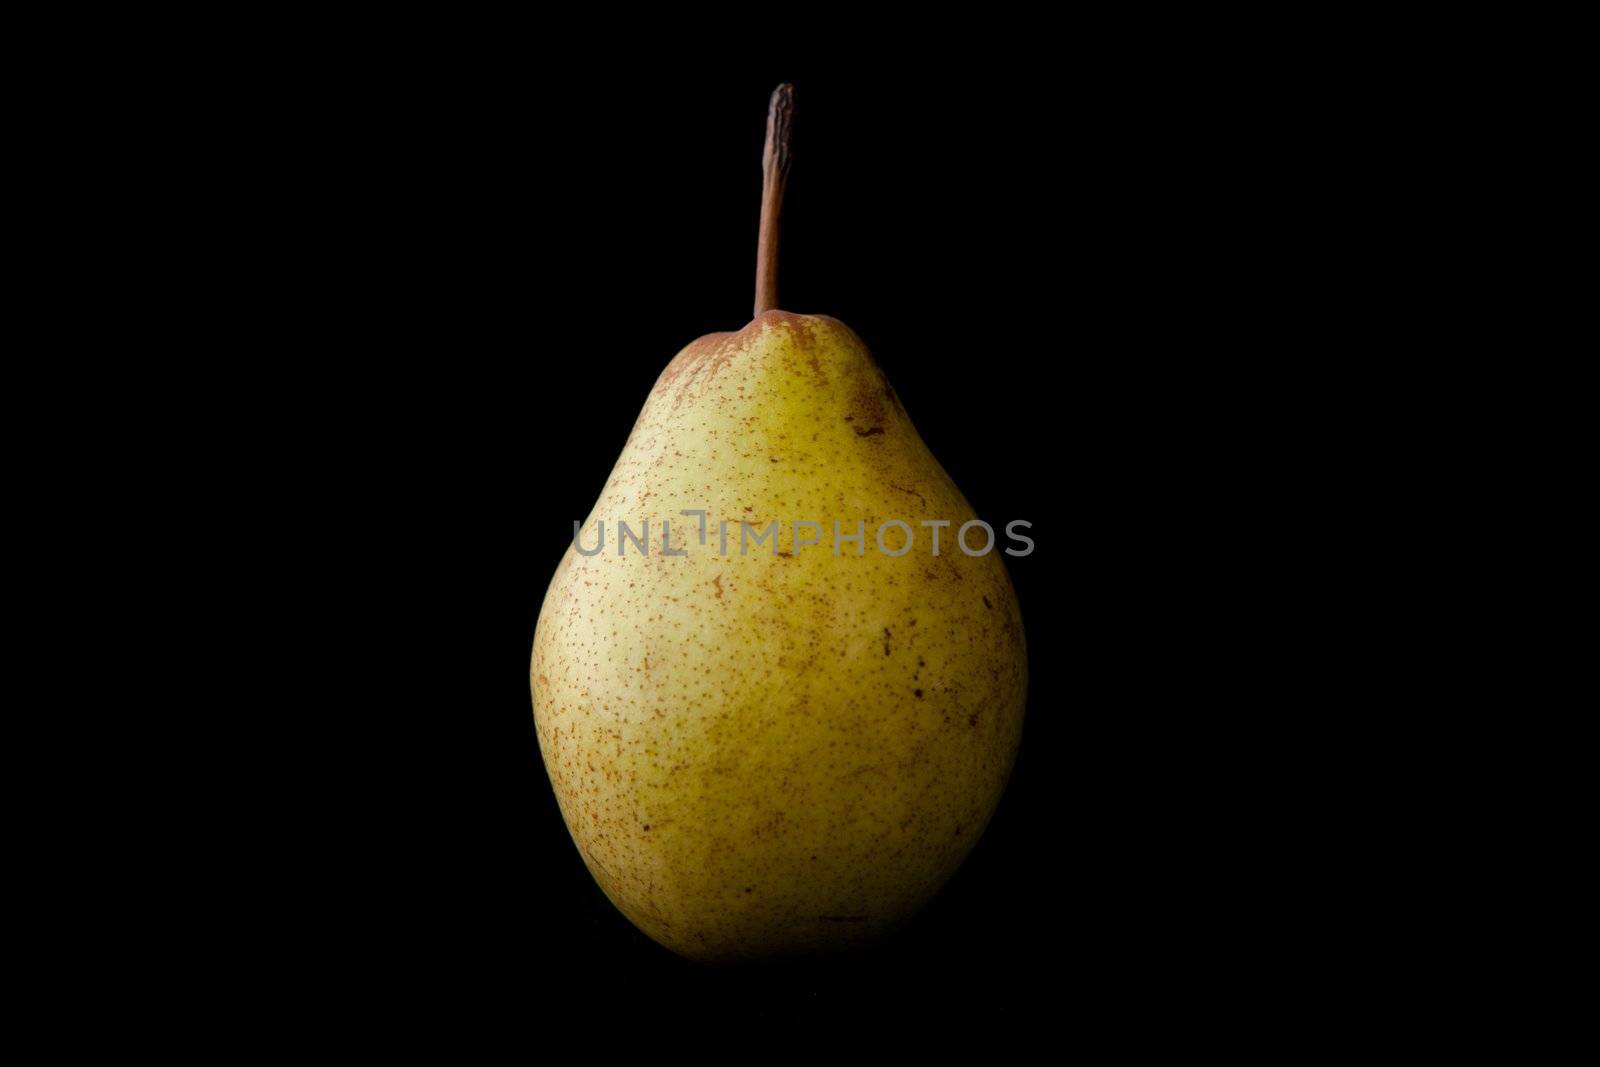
pixel 779 705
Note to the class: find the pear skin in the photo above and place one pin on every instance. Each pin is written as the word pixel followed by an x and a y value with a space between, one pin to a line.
pixel 785 750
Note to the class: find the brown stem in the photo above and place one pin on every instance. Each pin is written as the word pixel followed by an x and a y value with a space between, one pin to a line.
pixel 775 170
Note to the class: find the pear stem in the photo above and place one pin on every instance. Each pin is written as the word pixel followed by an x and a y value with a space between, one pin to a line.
pixel 775 171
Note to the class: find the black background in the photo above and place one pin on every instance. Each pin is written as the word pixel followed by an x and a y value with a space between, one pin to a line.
pixel 1076 291
pixel 1210 299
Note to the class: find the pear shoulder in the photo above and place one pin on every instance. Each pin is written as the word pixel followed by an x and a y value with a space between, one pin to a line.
pixel 812 342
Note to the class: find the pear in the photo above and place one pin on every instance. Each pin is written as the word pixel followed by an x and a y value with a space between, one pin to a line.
pixel 788 744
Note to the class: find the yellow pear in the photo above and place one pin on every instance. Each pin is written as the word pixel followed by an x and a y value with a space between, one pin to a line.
pixel 773 723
